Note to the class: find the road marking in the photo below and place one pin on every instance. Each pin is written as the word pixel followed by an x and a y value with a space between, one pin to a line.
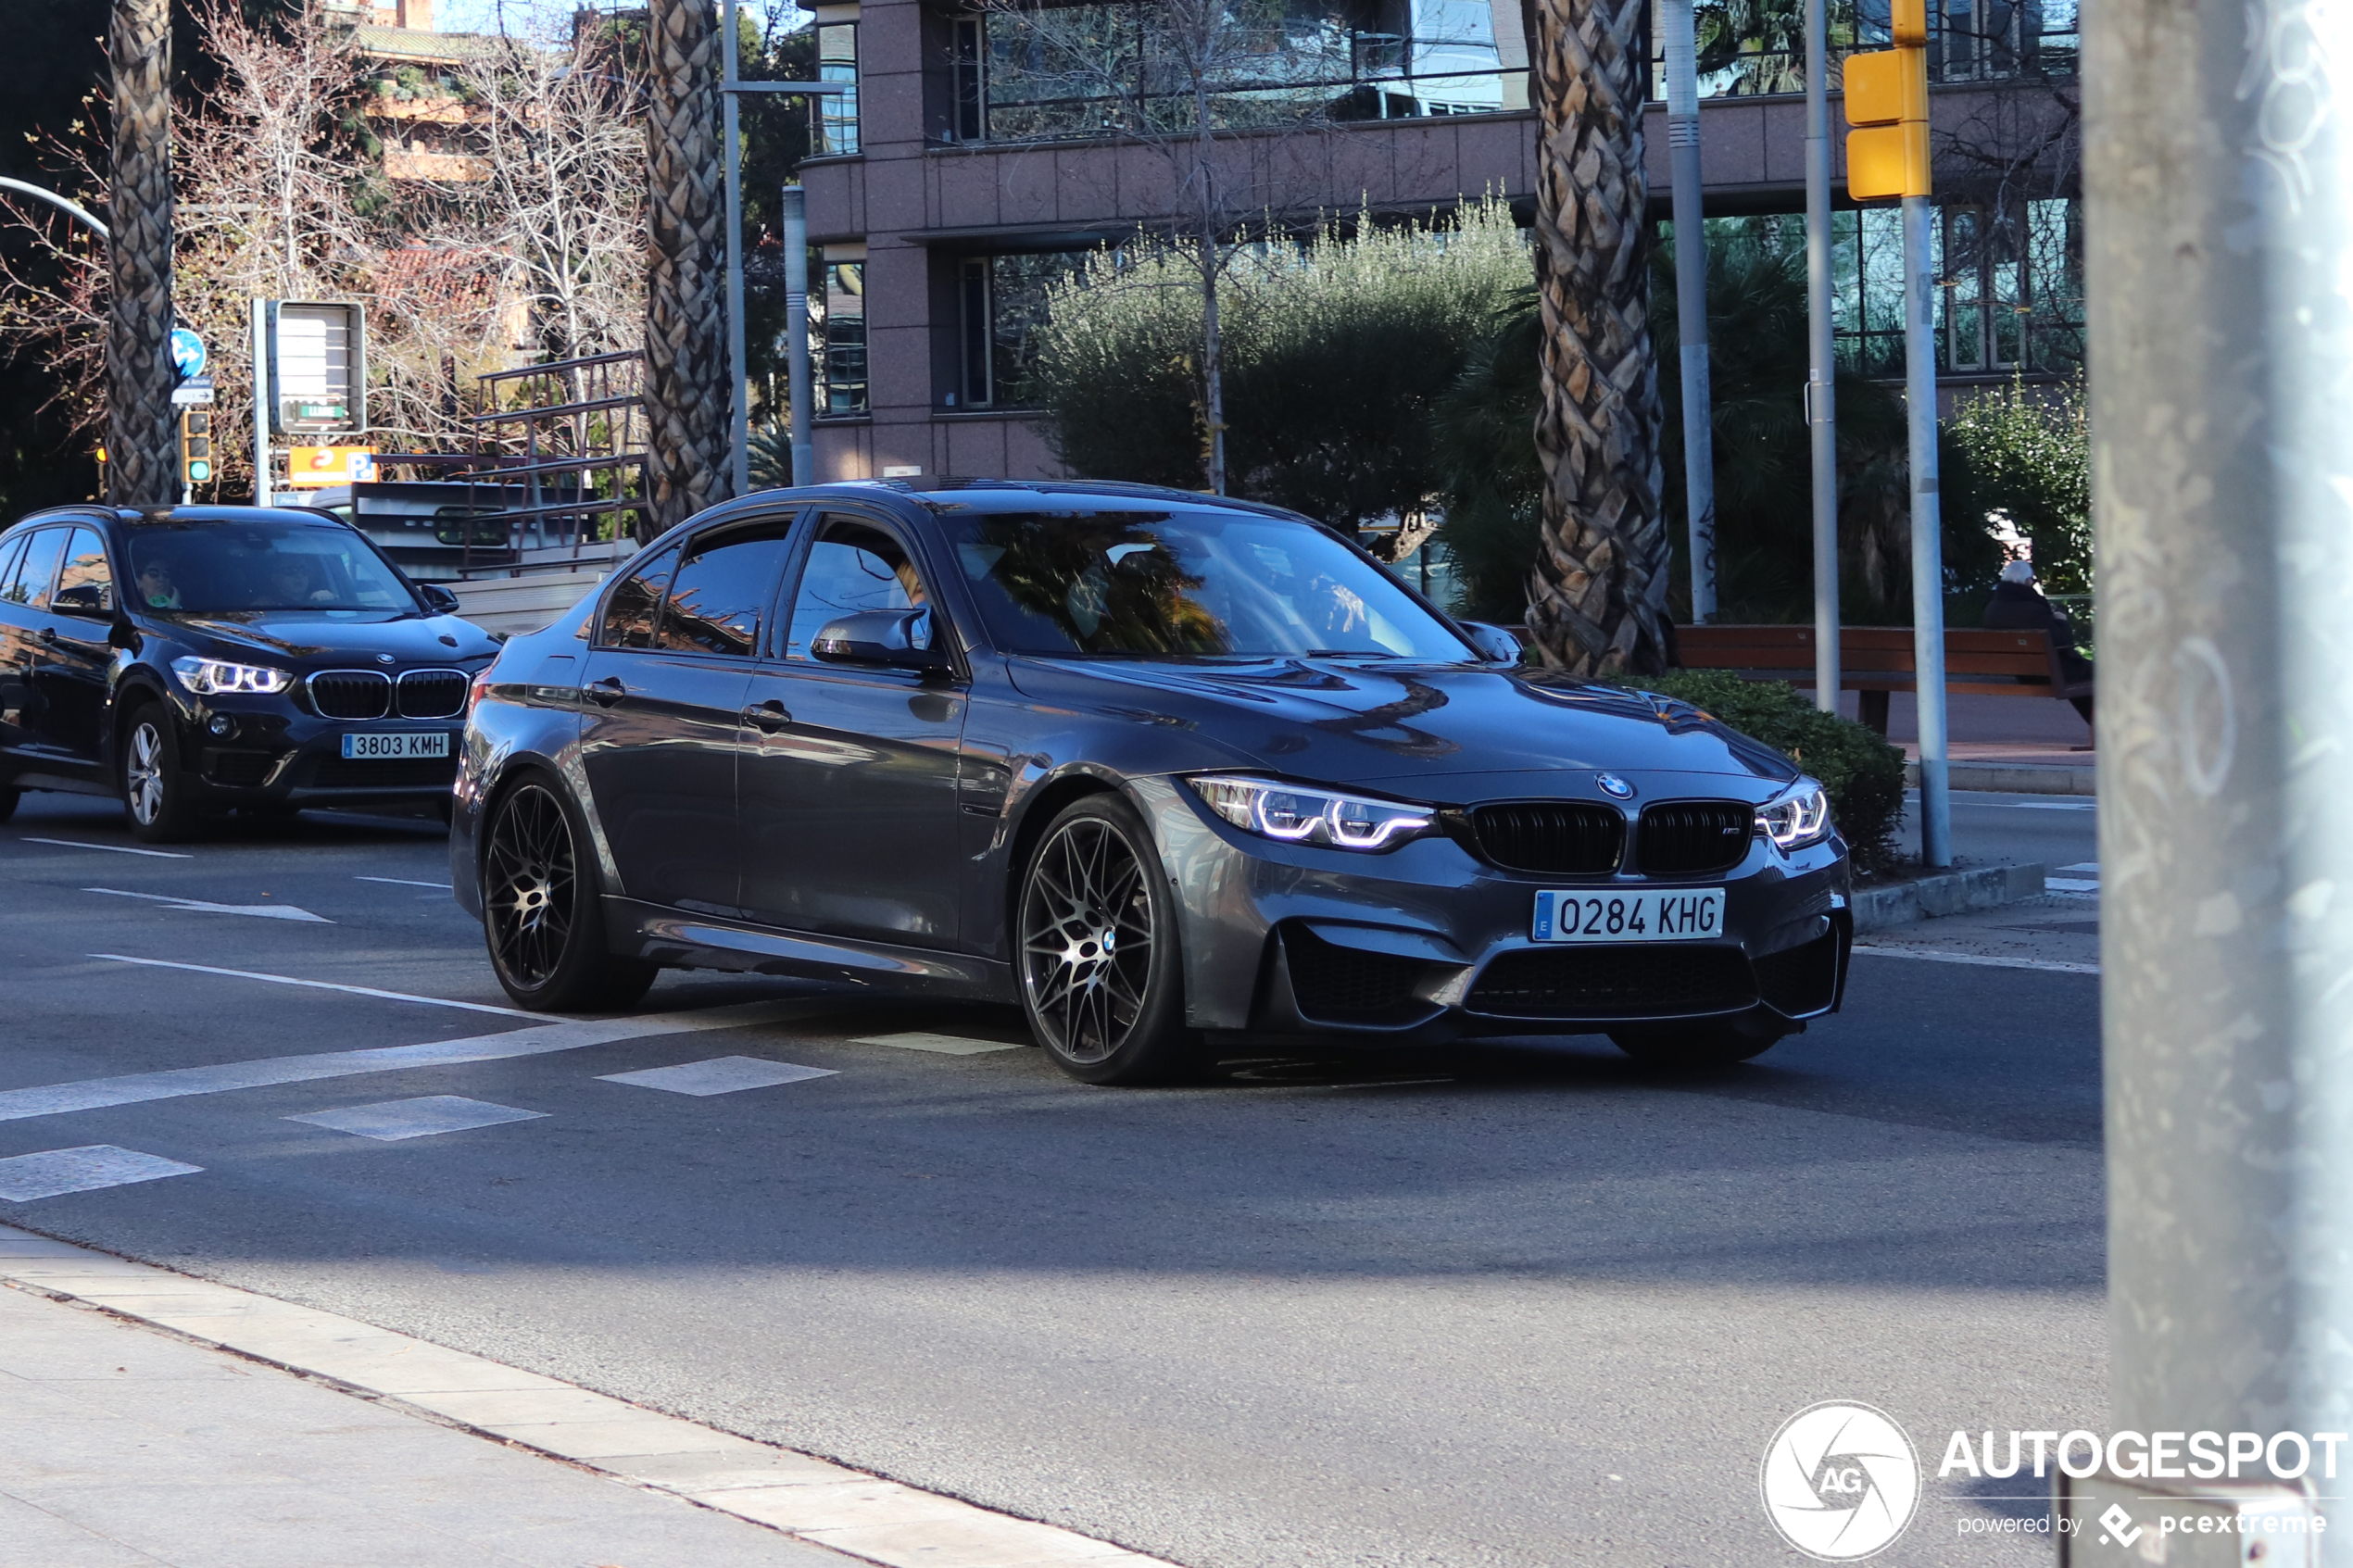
pixel 944 1044
pixel 94 1094
pixel 2069 884
pixel 87 1169
pixel 198 905
pixel 720 1075
pixel 405 882
pixel 2050 965
pixel 110 848
pixel 2091 866
pixel 320 985
pixel 390 1121
pixel 2052 805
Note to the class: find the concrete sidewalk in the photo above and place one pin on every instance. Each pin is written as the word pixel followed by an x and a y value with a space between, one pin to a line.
pixel 120 1445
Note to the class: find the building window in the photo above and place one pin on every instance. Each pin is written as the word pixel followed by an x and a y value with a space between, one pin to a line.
pixel 837 112
pixel 844 365
pixel 2010 294
pixel 975 322
pixel 1118 67
pixel 1001 311
pixel 1753 50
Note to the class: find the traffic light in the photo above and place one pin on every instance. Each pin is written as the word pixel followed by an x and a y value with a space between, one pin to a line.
pixel 1887 103
pixel 195 445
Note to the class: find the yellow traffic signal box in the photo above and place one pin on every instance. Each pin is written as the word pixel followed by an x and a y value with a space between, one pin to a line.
pixel 1887 103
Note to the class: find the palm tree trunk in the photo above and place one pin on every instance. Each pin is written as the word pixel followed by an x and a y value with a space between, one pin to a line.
pixel 142 447
pixel 1597 598
pixel 685 322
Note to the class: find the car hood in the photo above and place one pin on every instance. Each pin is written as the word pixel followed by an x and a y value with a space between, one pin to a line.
pixel 1394 725
pixel 309 640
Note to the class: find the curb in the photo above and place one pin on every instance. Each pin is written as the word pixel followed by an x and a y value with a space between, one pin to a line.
pixel 807 1498
pixel 1954 893
pixel 2012 778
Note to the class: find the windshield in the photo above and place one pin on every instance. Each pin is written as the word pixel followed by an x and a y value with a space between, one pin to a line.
pixel 1186 582
pixel 217 569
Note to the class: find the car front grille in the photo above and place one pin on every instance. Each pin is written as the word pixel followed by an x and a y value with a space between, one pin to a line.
pixel 1561 839
pixel 415 772
pixel 433 694
pixel 1693 837
pixel 1346 985
pixel 351 693
pixel 1626 981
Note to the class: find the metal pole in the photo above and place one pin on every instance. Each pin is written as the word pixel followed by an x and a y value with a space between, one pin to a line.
pixel 1821 368
pixel 73 209
pixel 2220 237
pixel 738 391
pixel 260 402
pixel 795 209
pixel 1691 301
pixel 1928 543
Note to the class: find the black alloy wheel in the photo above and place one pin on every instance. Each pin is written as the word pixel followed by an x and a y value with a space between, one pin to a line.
pixel 154 784
pixel 1100 977
pixel 1719 1043
pixel 541 913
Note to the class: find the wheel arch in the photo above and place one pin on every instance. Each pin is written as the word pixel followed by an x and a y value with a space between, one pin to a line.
pixel 1046 802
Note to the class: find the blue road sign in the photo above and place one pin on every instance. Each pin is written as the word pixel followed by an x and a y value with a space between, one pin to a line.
pixel 187 353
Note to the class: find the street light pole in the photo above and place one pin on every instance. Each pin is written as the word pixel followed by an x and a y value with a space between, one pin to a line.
pixel 1691 301
pixel 2220 238
pixel 1928 543
pixel 794 206
pixel 739 388
pixel 1821 409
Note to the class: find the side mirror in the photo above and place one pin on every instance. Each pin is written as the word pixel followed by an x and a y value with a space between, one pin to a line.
pixel 91 600
pixel 894 639
pixel 1494 644
pixel 441 600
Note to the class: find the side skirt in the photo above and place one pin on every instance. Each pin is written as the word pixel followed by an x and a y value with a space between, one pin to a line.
pixel 677 940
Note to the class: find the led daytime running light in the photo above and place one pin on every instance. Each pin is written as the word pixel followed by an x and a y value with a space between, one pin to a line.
pixel 211 677
pixel 1801 816
pixel 1290 814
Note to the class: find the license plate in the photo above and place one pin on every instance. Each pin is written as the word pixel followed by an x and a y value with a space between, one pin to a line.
pixel 388 745
pixel 1642 915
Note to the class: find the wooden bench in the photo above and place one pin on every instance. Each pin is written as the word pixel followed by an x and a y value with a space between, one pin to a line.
pixel 1876 660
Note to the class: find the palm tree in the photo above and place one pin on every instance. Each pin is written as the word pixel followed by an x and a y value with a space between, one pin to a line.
pixel 686 339
pixel 140 445
pixel 1597 599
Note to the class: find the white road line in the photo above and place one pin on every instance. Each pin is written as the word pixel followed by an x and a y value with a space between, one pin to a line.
pixel 393 1120
pixel 58 1171
pixel 2050 965
pixel 720 1075
pixel 943 1045
pixel 198 905
pixel 2069 884
pixel 405 882
pixel 319 985
pixel 94 1094
pixel 110 848
pixel 2091 866
pixel 2051 805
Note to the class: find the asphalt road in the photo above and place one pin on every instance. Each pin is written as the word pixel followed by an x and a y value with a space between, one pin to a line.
pixel 1521 1305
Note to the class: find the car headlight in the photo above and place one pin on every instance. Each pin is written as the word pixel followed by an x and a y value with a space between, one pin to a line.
pixel 1295 814
pixel 207 677
pixel 1799 816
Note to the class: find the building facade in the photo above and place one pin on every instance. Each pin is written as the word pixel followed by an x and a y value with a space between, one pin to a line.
pixel 983 146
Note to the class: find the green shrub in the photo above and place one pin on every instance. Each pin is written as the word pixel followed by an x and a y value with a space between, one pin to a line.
pixel 1863 774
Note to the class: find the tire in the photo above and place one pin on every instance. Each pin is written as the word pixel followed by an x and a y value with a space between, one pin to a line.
pixel 1703 1045
pixel 1107 1011
pixel 542 907
pixel 154 784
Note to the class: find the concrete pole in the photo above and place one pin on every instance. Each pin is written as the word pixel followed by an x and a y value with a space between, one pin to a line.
pixel 2219 177
pixel 1928 536
pixel 795 209
pixel 260 402
pixel 1821 370
pixel 739 390
pixel 1691 300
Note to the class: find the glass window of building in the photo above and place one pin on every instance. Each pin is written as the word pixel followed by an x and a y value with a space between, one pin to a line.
pixel 1001 311
pixel 845 330
pixel 837 112
pixel 2010 294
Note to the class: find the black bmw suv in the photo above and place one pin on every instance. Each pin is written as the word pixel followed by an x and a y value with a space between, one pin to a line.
pixel 195 659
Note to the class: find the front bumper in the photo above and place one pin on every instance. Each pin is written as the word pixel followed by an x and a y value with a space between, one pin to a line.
pixel 278 755
pixel 1427 942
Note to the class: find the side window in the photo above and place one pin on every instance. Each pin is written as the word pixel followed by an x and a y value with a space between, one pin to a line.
pixel 29 583
pixel 723 588
pixel 11 552
pixel 630 612
pixel 852 565
pixel 85 586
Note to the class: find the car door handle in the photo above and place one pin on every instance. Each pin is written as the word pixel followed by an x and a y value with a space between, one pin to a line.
pixel 769 716
pixel 607 692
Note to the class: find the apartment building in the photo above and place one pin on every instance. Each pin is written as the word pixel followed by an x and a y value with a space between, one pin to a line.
pixel 983 146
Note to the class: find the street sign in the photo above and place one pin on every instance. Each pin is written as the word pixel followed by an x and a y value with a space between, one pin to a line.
pixel 315 468
pixel 196 389
pixel 317 367
pixel 188 353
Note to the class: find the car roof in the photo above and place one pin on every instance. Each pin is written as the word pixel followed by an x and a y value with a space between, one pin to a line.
pixel 148 517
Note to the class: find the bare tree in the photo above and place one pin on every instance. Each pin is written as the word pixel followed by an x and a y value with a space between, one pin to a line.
pixel 140 376
pixel 686 400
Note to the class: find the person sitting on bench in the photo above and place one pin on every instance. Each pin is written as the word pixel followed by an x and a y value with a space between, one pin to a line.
pixel 2019 606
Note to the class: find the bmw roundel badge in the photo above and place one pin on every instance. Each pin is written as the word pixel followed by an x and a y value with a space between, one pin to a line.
pixel 1614 786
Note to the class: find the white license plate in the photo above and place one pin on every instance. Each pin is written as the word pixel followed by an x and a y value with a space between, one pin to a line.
pixel 387 745
pixel 1642 915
